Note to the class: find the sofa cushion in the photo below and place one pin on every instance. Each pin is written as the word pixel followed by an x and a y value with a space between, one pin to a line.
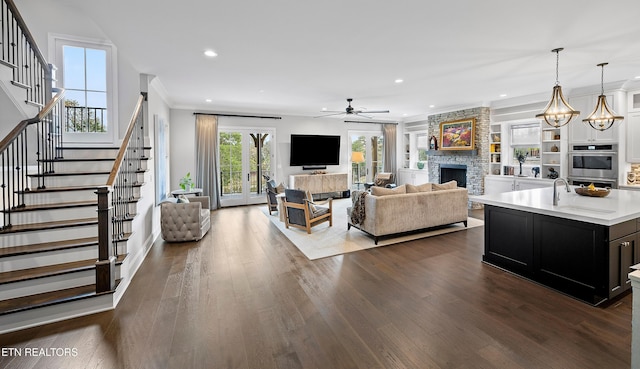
pixel 451 185
pixel 425 187
pixel 280 188
pixel 382 191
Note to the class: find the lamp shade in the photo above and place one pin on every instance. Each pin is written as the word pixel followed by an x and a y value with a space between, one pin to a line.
pixel 357 157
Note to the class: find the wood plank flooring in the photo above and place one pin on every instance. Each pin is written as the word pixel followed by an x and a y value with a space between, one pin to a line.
pixel 245 297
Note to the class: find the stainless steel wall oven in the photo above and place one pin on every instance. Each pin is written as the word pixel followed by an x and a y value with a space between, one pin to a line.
pixel 594 163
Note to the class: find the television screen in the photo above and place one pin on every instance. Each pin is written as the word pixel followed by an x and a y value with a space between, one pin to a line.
pixel 308 150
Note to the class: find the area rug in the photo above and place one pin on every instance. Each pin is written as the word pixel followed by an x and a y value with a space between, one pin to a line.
pixel 325 241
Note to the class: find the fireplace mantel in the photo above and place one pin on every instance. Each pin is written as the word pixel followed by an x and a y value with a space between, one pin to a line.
pixel 452 152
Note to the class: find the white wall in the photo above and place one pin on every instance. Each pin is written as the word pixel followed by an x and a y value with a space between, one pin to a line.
pixel 63 19
pixel 182 133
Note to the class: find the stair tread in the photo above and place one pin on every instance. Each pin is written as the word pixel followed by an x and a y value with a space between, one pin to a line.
pixel 47 246
pixel 45 271
pixel 58 174
pixel 52 206
pixel 62 160
pixel 68 188
pixel 49 298
pixel 20 275
pixel 49 225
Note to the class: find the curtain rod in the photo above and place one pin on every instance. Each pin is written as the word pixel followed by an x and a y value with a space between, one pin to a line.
pixel 237 115
pixel 362 121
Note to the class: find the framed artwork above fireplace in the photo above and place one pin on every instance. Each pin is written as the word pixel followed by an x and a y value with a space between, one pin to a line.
pixel 458 134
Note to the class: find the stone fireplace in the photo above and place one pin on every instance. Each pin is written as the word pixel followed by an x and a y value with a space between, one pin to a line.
pixel 476 162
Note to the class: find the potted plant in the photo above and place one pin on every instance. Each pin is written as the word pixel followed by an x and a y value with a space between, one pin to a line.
pixel 186 182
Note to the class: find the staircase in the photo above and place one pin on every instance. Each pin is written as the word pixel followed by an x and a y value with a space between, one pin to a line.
pixel 48 258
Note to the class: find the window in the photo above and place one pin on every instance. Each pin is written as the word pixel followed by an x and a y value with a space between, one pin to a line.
pixel 87 72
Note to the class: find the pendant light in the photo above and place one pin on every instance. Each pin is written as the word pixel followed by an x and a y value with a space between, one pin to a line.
pixel 558 112
pixel 602 117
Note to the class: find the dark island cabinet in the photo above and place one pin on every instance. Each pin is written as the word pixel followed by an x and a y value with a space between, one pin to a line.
pixel 573 257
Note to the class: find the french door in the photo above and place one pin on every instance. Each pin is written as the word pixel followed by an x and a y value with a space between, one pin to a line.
pixel 245 157
pixel 367 153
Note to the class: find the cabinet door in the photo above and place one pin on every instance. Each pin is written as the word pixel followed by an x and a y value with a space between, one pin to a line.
pixel 524 184
pixel 632 125
pixel 623 253
pixel 495 185
pixel 580 132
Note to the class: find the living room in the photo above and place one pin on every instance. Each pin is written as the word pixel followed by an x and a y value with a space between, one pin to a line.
pixel 244 296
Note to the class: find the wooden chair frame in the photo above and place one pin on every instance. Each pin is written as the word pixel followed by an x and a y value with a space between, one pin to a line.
pixel 310 222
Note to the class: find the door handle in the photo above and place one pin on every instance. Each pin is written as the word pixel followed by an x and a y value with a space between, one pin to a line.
pixel 247 177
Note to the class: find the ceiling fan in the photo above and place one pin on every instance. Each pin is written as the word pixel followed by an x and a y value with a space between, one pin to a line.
pixel 349 110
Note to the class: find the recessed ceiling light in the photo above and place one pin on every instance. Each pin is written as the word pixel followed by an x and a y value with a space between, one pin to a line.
pixel 637 77
pixel 324 109
pixel 503 95
pixel 261 91
pixel 432 106
pixel 399 80
pixel 208 100
pixel 210 53
pixel 404 114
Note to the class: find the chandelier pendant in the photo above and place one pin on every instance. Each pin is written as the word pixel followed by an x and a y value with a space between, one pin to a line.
pixel 602 117
pixel 558 112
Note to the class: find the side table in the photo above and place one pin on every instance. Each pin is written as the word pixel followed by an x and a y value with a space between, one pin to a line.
pixel 193 191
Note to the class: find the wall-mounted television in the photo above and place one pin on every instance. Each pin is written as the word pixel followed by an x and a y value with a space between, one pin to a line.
pixel 314 150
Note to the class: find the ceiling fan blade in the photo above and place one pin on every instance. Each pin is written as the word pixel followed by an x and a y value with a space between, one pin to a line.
pixel 375 111
pixel 364 116
pixel 329 115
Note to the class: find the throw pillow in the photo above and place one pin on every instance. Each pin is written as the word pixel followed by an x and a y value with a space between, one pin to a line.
pixel 280 188
pixel 182 199
pixel 451 185
pixel 382 191
pixel 425 187
pixel 312 206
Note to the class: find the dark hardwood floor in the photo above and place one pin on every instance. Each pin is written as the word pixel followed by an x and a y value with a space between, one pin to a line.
pixel 245 297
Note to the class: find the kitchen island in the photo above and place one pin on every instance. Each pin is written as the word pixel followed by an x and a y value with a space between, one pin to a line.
pixel 582 247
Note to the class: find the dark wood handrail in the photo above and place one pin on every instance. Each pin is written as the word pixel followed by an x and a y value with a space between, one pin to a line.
pixel 123 148
pixel 15 132
pixel 28 35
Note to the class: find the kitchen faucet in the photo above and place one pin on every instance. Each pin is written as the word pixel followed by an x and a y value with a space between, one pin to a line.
pixel 556 194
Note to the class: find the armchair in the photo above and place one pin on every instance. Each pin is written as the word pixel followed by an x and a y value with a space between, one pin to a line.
pixel 303 213
pixel 272 201
pixel 382 179
pixel 185 221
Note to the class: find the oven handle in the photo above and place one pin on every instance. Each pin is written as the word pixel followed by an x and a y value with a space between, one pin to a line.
pixel 594 152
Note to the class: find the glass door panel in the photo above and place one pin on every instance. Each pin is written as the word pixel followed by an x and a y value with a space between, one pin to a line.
pixel 246 157
pixel 367 154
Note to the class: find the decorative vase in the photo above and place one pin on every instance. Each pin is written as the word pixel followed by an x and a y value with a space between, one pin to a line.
pixel 188 188
pixel 520 170
pixel 420 165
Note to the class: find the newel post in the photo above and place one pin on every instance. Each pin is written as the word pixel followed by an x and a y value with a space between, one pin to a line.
pixel 106 264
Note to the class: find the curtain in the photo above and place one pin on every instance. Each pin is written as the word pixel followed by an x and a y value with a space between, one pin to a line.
pixel 390 152
pixel 206 176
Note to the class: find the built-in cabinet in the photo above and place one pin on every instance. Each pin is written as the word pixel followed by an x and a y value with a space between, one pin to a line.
pixel 633 127
pixel 501 184
pixel 412 176
pixel 495 148
pixel 552 150
pixel 580 132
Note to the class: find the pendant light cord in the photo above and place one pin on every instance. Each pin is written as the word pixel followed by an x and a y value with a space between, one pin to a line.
pixel 557 65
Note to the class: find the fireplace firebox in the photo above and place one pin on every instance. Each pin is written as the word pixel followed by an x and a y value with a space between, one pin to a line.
pixel 457 172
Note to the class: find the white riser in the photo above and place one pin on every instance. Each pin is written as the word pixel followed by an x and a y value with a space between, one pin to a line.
pixel 85 180
pixel 40 285
pixel 66 196
pixel 49 314
pixel 80 166
pixel 41 216
pixel 48 258
pixel 62 196
pixel 29 238
pixel 89 154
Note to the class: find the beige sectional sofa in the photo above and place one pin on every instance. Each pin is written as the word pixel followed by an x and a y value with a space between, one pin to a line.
pixel 425 206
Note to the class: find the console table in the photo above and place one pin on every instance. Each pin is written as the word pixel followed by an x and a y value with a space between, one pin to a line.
pixel 320 183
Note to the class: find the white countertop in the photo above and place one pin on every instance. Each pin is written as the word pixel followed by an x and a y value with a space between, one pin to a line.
pixel 618 207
